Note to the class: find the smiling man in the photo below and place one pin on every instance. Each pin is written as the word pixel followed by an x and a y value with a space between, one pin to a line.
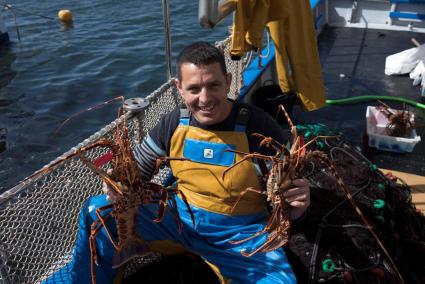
pixel 203 130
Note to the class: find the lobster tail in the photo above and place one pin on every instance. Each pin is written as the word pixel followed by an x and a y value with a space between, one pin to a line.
pixel 134 247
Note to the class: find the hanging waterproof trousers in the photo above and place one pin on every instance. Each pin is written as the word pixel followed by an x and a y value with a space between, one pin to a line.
pixel 297 55
pixel 292 29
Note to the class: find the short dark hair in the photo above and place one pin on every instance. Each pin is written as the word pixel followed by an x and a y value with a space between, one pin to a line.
pixel 200 53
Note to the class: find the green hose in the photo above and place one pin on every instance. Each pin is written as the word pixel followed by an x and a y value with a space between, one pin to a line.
pixel 361 99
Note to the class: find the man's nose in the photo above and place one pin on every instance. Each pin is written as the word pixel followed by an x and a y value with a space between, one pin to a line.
pixel 204 95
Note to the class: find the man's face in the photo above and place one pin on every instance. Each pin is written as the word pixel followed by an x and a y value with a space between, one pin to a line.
pixel 204 90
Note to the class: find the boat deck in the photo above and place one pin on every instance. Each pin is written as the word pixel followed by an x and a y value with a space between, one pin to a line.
pixel 353 63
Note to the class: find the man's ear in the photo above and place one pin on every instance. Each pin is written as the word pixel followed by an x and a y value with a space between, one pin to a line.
pixel 179 86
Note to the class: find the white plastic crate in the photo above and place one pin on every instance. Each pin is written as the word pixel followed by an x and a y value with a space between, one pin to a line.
pixel 376 131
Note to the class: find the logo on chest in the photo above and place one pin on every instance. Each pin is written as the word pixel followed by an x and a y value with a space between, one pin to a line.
pixel 208 153
pixel 218 154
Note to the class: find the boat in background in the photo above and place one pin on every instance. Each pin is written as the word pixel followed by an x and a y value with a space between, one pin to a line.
pixel 39 216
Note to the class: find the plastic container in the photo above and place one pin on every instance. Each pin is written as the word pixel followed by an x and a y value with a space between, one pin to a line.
pixel 376 130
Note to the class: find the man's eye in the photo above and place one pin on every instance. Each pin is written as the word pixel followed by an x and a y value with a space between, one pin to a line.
pixel 216 84
pixel 194 90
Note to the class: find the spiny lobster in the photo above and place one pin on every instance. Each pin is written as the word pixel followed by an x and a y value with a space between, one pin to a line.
pixel 400 122
pixel 287 166
pixel 133 192
pixel 130 190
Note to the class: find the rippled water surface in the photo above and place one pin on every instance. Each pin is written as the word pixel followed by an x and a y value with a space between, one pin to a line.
pixel 113 48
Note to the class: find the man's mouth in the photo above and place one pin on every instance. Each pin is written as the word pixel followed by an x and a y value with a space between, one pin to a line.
pixel 206 108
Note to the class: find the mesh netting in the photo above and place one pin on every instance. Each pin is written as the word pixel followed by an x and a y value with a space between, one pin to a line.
pixel 333 245
pixel 233 67
pixel 39 216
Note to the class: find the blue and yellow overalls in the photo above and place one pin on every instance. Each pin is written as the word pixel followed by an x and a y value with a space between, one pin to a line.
pixel 211 199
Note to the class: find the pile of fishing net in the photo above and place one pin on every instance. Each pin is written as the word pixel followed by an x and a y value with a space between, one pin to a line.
pixel 331 244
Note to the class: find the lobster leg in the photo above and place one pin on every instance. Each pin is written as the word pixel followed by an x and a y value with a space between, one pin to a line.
pixel 247 156
pixel 187 205
pixel 177 215
pixel 261 247
pixel 102 174
pixel 293 128
pixel 162 205
pixel 270 142
pixel 100 143
pixel 249 189
pixel 269 225
pixel 103 221
pixel 244 253
pixel 163 160
pixel 277 239
pixel 96 226
pixel 302 147
pixel 259 233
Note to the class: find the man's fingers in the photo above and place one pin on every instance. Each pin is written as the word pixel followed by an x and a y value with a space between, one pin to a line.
pixel 295 191
pixel 298 196
pixel 301 199
pixel 110 193
pixel 299 204
pixel 301 182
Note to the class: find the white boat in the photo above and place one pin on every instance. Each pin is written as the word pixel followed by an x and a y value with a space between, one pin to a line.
pixel 38 217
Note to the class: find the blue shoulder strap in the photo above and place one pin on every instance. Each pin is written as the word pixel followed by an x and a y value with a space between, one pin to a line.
pixel 184 116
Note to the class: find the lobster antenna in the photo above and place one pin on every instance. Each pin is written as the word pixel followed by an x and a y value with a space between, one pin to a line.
pixel 86 110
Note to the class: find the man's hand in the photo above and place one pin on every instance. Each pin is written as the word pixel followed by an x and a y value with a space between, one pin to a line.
pixel 110 193
pixel 298 197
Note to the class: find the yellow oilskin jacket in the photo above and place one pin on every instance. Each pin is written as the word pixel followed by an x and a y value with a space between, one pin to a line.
pixel 292 29
pixel 250 19
pixel 201 179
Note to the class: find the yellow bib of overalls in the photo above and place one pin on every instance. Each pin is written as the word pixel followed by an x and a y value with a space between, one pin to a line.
pixel 201 179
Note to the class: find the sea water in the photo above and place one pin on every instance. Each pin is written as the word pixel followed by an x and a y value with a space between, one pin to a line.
pixel 113 48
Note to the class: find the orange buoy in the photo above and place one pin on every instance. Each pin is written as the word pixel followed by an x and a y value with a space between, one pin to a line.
pixel 65 15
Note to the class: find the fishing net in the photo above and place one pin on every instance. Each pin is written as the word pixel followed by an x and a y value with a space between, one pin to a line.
pixel 332 245
pixel 39 216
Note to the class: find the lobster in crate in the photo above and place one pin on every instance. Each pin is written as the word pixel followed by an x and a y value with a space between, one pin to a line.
pixel 400 122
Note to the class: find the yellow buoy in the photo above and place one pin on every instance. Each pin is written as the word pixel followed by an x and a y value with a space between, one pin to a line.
pixel 65 15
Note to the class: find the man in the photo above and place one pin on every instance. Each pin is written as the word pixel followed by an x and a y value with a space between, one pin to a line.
pixel 202 132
